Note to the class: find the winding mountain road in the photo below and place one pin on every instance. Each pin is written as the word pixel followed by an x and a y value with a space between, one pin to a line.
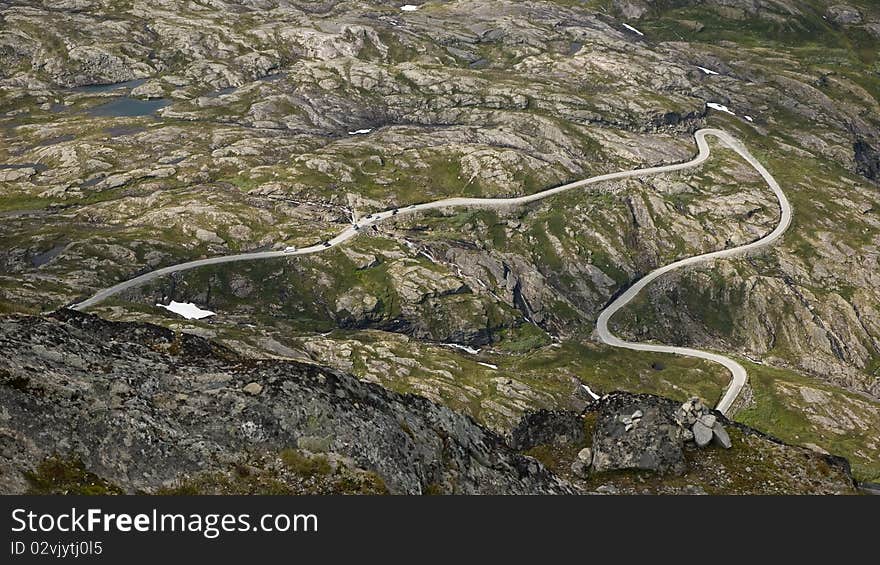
pixel 737 371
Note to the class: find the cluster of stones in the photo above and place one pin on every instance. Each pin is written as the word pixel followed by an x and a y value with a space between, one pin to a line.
pixel 700 425
pixel 630 422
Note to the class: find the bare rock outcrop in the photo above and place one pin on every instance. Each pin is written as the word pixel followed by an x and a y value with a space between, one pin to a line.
pixel 138 405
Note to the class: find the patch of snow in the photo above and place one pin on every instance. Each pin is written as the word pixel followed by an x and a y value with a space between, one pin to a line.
pixel 464 348
pixel 749 118
pixel 707 71
pixel 188 310
pixel 632 29
pixel 720 108
pixel 408 8
pixel 360 131
pixel 592 394
pixel 490 365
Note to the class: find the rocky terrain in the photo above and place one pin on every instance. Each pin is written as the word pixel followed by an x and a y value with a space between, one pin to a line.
pixel 141 134
pixel 644 444
pixel 90 406
pixel 138 405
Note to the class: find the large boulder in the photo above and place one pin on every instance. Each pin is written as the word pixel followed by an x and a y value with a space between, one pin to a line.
pixel 702 434
pixel 655 443
pixel 720 436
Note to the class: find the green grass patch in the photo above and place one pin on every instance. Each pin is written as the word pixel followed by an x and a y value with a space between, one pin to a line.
pixel 68 476
pixel 781 410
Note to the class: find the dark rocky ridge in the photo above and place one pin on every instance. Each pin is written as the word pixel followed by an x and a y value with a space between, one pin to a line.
pixel 134 407
pixel 144 407
pixel 547 427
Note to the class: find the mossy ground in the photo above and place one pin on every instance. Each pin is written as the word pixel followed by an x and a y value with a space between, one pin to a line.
pixel 292 472
pixel 63 475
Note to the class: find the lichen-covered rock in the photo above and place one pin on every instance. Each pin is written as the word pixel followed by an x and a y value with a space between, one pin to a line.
pixel 139 406
pixel 543 427
pixel 655 444
pixel 844 14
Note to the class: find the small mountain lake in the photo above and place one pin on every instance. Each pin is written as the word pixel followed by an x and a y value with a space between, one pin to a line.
pixel 128 107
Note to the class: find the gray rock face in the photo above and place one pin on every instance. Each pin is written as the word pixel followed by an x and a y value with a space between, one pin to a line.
pixel 844 15
pixel 655 444
pixel 547 427
pixel 867 159
pixel 139 405
pixel 634 9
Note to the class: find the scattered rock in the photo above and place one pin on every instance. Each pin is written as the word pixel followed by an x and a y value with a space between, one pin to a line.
pixel 253 388
pixel 631 9
pixel 586 455
pixel 580 469
pixel 150 89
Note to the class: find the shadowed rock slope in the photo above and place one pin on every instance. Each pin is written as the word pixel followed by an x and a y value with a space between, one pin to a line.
pixel 89 406
pixel 147 409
